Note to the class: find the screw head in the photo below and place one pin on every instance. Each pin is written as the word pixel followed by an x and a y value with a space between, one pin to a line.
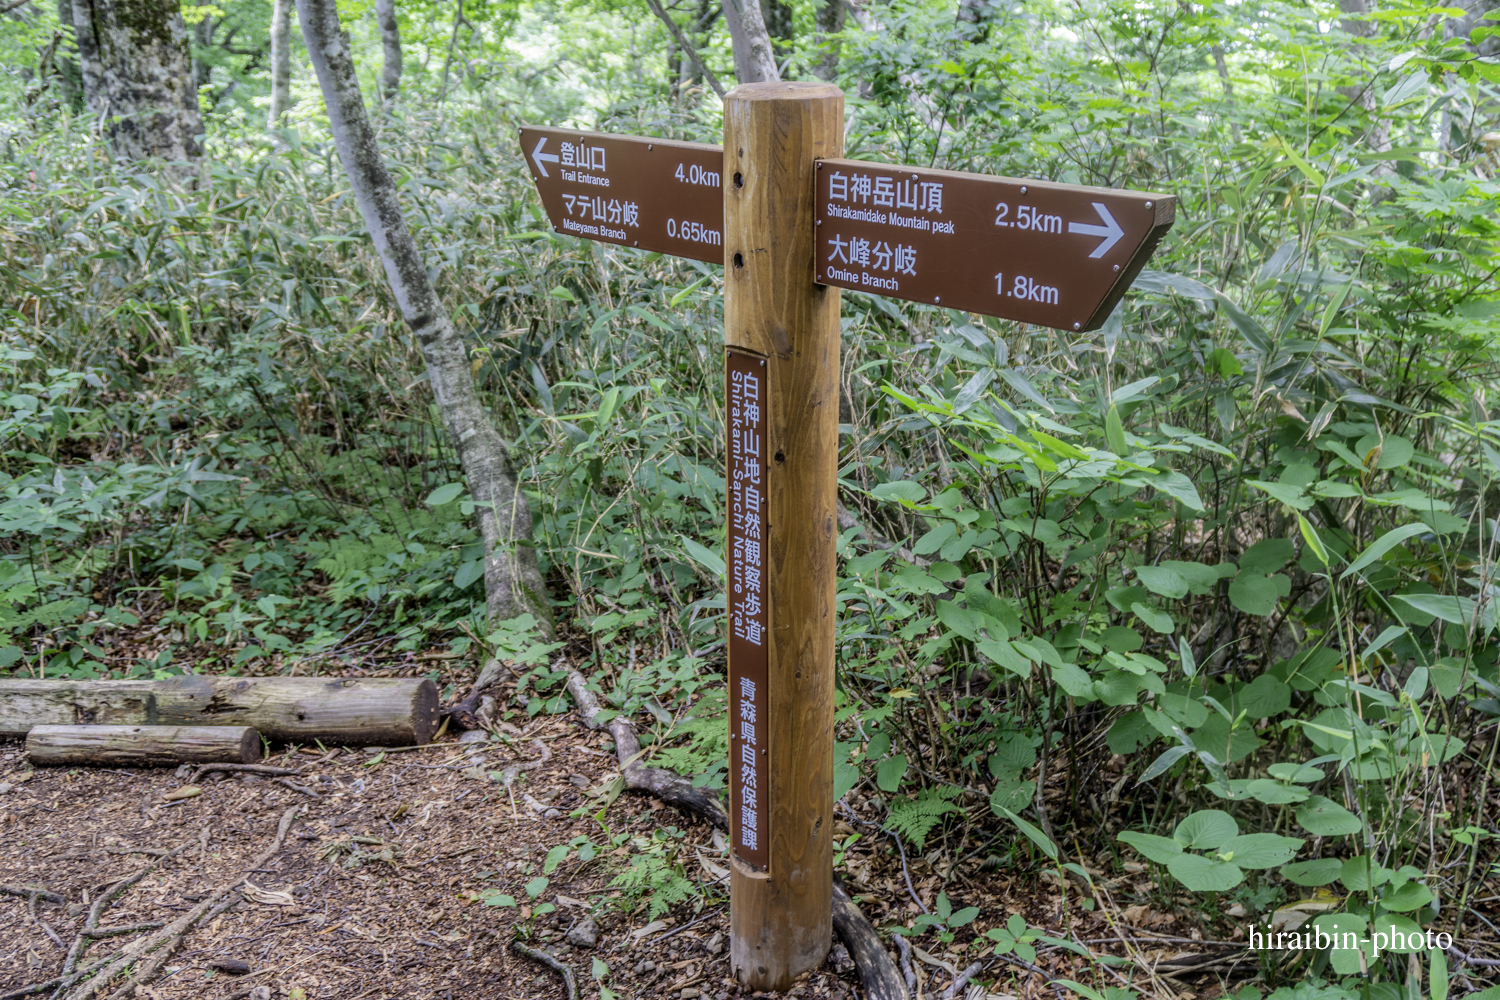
pixel 820 222
pixel 1150 203
pixel 1023 188
pixel 650 146
pixel 938 300
pixel 1117 267
pixel 820 165
pixel 1078 326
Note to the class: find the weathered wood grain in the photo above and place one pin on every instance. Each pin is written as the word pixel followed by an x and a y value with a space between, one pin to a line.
pixel 361 711
pixel 781 919
pixel 142 746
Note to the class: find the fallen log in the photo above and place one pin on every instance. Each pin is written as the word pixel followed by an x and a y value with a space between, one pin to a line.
pixel 142 746
pixel 358 711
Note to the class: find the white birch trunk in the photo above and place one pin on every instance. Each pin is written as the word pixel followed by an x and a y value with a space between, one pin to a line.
pixel 390 42
pixel 830 19
pixel 754 61
pixel 512 579
pixel 281 61
pixel 138 77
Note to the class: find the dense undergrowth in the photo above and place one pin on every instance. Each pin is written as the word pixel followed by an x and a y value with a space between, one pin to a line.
pixel 1213 587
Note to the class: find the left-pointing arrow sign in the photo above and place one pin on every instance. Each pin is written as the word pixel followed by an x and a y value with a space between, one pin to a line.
pixel 1111 230
pixel 538 156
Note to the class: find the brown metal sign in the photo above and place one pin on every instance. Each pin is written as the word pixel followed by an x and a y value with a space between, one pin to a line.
pixel 634 191
pixel 745 395
pixel 1057 255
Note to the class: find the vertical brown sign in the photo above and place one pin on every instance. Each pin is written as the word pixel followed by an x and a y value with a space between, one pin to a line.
pixel 745 478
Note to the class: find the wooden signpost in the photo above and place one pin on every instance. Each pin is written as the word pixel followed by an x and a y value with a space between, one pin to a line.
pixel 792 223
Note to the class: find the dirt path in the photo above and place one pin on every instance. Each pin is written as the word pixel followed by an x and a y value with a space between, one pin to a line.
pixel 388 869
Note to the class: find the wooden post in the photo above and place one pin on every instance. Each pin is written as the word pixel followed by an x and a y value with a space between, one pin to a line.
pixel 781 334
pixel 142 746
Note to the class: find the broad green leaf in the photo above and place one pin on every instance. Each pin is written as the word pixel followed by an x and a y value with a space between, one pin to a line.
pixel 1206 828
pixel 1411 896
pixel 1397 934
pixel 1259 850
pixel 1163 580
pixel 1267 555
pixel 1166 760
pixel 1310 536
pixel 1319 872
pixel 1293 496
pixel 1361 873
pixel 1323 817
pixel 554 858
pixel 845 777
pixel 1201 874
pixel 1159 620
pixel 1158 849
pixel 1448 607
pixel 444 494
pixel 1274 792
pixel 1258 595
pixel 903 490
pixel 1180 488
pixel 890 772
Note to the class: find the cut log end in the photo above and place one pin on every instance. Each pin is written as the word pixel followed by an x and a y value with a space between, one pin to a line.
pixel 142 746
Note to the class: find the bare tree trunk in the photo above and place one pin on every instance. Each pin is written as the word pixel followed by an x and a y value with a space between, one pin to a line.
pixel 281 61
pixel 138 77
pixel 754 61
pixel 830 15
pixel 512 579
pixel 390 41
pixel 203 39
pixel 681 39
pixel 68 73
pixel 1228 85
pixel 1378 128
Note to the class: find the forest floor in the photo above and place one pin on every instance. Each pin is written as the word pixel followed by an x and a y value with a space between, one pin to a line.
pixel 386 883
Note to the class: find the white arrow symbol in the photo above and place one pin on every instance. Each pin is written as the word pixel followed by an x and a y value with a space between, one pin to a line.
pixel 538 156
pixel 1111 230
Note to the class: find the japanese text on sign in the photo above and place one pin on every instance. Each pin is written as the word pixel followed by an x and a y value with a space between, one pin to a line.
pixel 746 476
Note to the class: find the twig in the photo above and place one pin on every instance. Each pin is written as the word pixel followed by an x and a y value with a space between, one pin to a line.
pixel 963 977
pixel 250 768
pixel 678 930
pixel 165 941
pixel 118 929
pixel 59 981
pixel 904 947
pixel 894 836
pixel 96 909
pixel 33 892
pixel 537 955
pixel 1487 963
pixel 289 783
pixel 668 786
pixel 687 46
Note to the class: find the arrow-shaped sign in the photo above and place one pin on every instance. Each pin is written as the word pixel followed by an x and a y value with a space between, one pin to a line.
pixel 538 156
pixel 1111 230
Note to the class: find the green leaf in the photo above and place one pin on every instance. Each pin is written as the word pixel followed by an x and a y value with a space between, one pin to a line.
pixel 900 491
pixel 964 916
pixel 704 556
pixel 1158 620
pixel 890 772
pixel 1163 580
pixel 554 858
pixel 1114 432
pixel 1158 849
pixel 1293 496
pixel 1036 836
pixel 1310 536
pixel 1411 896
pixel 1166 760
pixel 1255 594
pixel 1361 874
pixel 1260 850
pixel 1319 872
pixel 1449 607
pixel 536 886
pixel 468 573
pixel 845 777
pixel 1206 828
pixel 1437 974
pixel 1382 545
pixel 677 299
pixel 1180 488
pixel 1084 991
pixel 1201 874
pixel 1323 817
pixel 444 494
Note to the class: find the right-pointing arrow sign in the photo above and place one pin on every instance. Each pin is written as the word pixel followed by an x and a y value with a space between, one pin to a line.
pixel 1111 230
pixel 538 156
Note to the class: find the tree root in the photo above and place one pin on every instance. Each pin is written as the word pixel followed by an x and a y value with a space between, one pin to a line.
pixel 876 969
pixel 58 982
pixel 284 772
pixel 668 786
pixel 537 955
pixel 163 943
